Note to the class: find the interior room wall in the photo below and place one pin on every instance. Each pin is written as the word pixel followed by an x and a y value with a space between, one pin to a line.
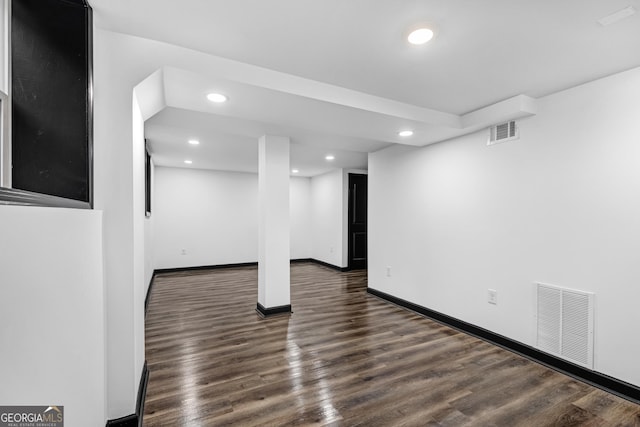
pixel 330 215
pixel 558 206
pixel 213 217
pixel 205 217
pixel 223 206
pixel 327 209
pixel 300 217
pixel 52 324
pixel 117 70
pixel 139 236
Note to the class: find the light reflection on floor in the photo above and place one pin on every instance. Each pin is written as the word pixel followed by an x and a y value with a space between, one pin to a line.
pixel 324 400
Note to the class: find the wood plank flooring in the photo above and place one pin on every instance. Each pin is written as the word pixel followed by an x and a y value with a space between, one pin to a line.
pixel 343 358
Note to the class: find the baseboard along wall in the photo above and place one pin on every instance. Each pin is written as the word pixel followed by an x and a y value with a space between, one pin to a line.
pixel 596 379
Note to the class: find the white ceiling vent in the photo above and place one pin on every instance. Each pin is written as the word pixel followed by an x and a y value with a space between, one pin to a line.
pixel 565 323
pixel 503 132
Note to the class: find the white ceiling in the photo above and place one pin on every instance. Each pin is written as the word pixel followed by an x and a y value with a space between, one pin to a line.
pixel 221 148
pixel 338 75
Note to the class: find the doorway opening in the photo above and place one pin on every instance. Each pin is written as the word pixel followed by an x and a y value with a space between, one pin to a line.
pixel 357 230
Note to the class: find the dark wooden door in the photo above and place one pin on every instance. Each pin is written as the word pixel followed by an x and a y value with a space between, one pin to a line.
pixel 357 221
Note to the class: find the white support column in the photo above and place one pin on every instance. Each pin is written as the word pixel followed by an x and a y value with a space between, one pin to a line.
pixel 273 248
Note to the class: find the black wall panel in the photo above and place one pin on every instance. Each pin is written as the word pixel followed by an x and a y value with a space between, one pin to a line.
pixel 51 97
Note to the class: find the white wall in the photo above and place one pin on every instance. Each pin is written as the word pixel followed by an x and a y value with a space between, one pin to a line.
pixel 213 216
pixel 140 274
pixel 330 216
pixel 561 206
pixel 300 217
pixel 117 70
pixel 52 311
pixel 327 217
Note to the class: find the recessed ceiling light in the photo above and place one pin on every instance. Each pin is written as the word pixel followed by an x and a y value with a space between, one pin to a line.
pixel 188 162
pixel 420 36
pixel 330 157
pixel 294 171
pixel 216 97
pixel 617 16
pixel 405 133
pixel 194 142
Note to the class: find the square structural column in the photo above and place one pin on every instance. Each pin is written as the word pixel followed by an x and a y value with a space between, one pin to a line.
pixel 273 247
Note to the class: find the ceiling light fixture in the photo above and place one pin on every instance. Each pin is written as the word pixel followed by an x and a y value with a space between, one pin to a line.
pixel 617 16
pixel 217 98
pixel 194 142
pixel 294 171
pixel 330 157
pixel 420 36
pixel 188 162
pixel 405 133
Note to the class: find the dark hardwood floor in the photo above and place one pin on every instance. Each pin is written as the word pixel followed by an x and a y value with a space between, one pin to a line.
pixel 343 358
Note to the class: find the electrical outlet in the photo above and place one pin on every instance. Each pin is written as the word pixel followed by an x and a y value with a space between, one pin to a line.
pixel 492 296
pixel 331 249
pixel 388 271
pixel 183 252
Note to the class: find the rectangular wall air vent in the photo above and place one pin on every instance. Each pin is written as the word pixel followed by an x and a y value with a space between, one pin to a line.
pixel 503 132
pixel 565 321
